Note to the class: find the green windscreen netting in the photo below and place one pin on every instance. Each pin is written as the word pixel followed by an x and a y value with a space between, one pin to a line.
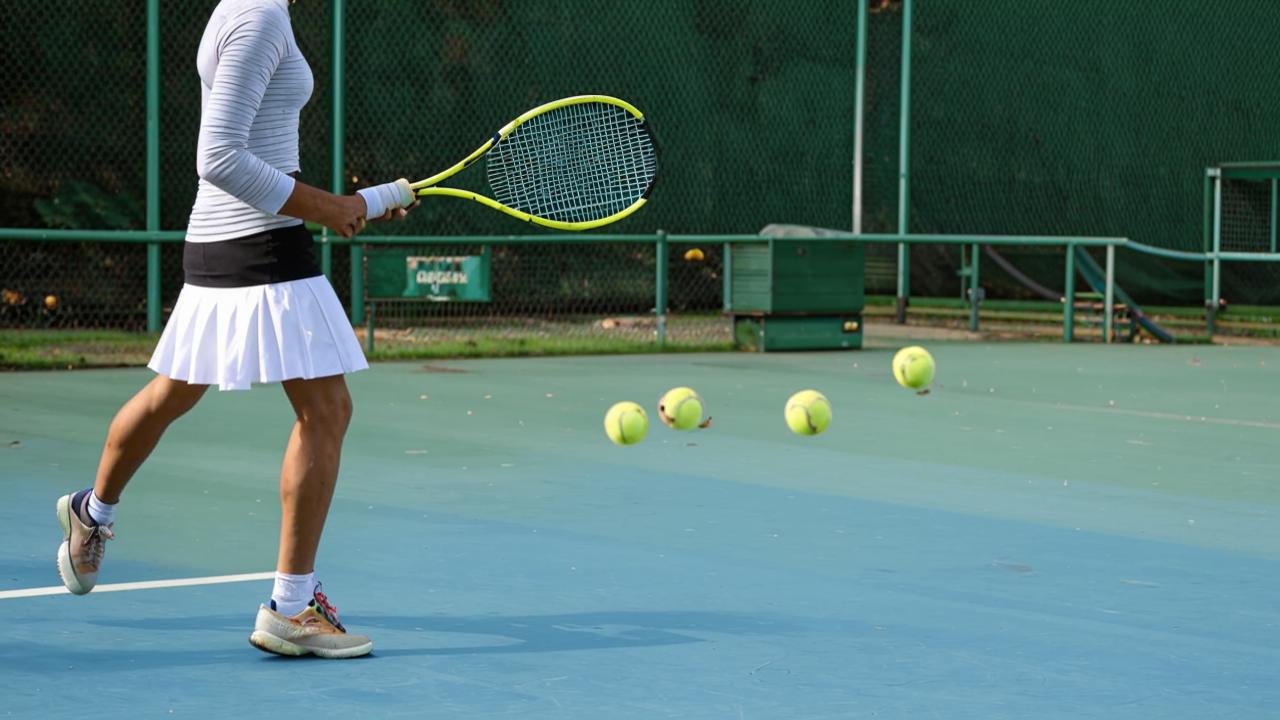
pixel 1090 118
pixel 1095 117
pixel 751 102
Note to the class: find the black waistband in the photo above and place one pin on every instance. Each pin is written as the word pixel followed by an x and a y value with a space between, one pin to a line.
pixel 273 256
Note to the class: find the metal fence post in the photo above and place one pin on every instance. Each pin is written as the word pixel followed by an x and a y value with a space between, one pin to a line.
pixel 859 101
pixel 153 163
pixel 727 275
pixel 1069 296
pixel 1207 242
pixel 1109 295
pixel 338 130
pixel 904 167
pixel 973 288
pixel 660 288
pixel 1215 291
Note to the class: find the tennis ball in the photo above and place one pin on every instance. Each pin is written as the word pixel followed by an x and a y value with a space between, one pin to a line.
pixel 51 301
pixel 694 255
pixel 626 423
pixel 913 368
pixel 680 408
pixel 808 412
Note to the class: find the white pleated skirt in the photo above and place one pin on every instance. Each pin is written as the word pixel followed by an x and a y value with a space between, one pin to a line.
pixel 235 337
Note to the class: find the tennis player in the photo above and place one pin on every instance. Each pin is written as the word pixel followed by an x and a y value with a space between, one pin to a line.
pixel 254 308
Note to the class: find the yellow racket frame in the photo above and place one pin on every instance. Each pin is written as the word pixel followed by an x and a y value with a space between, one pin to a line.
pixel 428 187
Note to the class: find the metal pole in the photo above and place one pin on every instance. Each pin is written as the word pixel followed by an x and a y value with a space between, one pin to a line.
pixel 326 255
pixel 904 166
pixel 1216 286
pixel 153 163
pixel 727 279
pixel 335 165
pixel 660 289
pixel 1069 296
pixel 339 128
pixel 973 288
pixel 1207 237
pixel 859 100
pixel 1109 294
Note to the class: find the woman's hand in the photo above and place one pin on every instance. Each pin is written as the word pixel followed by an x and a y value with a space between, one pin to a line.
pixel 345 215
pixel 396 213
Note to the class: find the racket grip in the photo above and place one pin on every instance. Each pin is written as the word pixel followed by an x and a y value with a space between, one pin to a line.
pixel 407 195
pixel 378 199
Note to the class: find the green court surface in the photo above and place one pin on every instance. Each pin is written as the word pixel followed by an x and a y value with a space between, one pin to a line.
pixel 1053 532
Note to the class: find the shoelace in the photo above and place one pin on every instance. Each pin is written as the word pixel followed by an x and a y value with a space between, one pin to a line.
pixel 327 609
pixel 96 542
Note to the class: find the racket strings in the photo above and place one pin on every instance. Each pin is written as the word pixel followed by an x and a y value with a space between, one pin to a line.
pixel 576 163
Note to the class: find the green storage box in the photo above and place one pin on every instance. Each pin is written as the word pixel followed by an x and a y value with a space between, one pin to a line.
pixel 797 294
pixel 797 277
pixel 766 333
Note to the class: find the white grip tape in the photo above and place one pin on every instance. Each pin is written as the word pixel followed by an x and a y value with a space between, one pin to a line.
pixel 387 196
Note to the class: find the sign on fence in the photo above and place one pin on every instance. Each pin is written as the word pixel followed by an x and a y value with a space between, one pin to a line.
pixel 399 274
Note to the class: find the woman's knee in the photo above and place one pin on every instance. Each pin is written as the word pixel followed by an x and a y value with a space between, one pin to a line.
pixel 322 404
pixel 172 398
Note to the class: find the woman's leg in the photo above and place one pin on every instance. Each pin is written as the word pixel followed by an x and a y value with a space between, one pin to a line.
pixel 86 516
pixel 300 620
pixel 137 428
pixel 310 470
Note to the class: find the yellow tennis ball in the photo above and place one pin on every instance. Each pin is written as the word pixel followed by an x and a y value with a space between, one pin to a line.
pixel 808 412
pixel 913 368
pixel 51 302
pixel 626 423
pixel 680 408
pixel 694 255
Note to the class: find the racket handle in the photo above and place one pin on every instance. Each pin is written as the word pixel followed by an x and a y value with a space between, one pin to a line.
pixel 378 199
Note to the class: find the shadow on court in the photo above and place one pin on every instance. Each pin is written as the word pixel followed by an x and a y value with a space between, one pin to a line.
pixel 513 633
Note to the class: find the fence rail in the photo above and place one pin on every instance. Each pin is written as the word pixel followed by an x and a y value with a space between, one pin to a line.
pixel 661 242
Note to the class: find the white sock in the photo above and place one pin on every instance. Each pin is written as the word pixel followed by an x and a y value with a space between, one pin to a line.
pixel 292 592
pixel 102 513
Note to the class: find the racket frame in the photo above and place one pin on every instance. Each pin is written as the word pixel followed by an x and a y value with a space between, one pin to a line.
pixel 429 186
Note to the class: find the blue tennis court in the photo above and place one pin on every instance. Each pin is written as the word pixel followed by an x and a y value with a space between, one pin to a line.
pixel 1052 532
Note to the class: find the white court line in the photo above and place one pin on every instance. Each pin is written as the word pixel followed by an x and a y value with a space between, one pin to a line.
pixel 1155 415
pixel 144 585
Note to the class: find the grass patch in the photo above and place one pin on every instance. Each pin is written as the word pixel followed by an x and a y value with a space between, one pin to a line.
pixel 76 349
pixel 499 346
pixel 71 349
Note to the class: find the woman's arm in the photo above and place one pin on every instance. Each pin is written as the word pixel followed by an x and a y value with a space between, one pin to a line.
pixel 250 48
pixel 343 214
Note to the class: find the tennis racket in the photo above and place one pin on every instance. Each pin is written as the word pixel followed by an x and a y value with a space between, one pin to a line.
pixel 574 164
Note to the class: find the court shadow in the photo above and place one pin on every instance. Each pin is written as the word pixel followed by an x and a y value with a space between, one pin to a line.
pixel 219 639
pixel 569 632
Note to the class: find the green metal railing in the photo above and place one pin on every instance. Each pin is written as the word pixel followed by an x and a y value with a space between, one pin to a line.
pixel 662 243
pixel 1213 257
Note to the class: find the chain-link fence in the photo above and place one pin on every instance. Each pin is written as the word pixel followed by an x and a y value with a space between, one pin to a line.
pixel 582 297
pixel 751 103
pixel 1096 117
pixel 1026 118
pixel 1248 221
pixel 74 285
pixel 72 98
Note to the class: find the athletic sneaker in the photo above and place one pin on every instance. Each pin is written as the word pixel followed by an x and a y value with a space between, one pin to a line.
pixel 314 631
pixel 82 547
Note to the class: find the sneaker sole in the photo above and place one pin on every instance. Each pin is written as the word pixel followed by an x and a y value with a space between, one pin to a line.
pixel 66 570
pixel 267 642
